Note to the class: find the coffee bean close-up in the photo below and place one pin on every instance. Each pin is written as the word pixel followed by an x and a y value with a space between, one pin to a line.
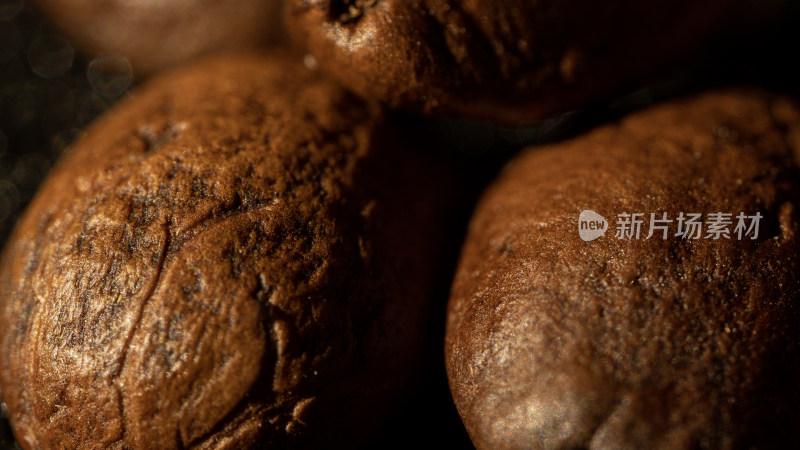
pixel 492 224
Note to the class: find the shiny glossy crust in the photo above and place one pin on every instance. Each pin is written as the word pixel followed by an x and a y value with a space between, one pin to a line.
pixel 506 60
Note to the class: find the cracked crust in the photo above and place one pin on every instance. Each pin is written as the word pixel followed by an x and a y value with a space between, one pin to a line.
pixel 506 60
pixel 553 342
pixel 239 254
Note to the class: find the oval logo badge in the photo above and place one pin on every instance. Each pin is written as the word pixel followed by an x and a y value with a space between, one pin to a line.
pixel 591 225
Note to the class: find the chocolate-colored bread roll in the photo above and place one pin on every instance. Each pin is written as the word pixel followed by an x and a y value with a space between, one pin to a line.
pixel 506 60
pixel 241 254
pixel 626 341
pixel 154 35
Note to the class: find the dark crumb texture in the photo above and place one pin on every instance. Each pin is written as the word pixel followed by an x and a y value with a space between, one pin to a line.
pixel 509 60
pixel 553 342
pixel 241 254
pixel 349 10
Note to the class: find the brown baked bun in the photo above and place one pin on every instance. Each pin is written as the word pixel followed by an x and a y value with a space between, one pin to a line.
pixel 241 254
pixel 557 342
pixel 508 60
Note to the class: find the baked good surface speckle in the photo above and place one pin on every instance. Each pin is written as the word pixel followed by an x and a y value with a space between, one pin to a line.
pixel 557 342
pixel 237 254
pixel 510 60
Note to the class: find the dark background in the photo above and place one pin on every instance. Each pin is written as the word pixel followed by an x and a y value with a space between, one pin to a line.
pixel 49 93
pixel 45 100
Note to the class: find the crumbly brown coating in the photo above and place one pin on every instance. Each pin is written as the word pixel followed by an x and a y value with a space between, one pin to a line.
pixel 154 35
pixel 506 60
pixel 553 342
pixel 242 253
